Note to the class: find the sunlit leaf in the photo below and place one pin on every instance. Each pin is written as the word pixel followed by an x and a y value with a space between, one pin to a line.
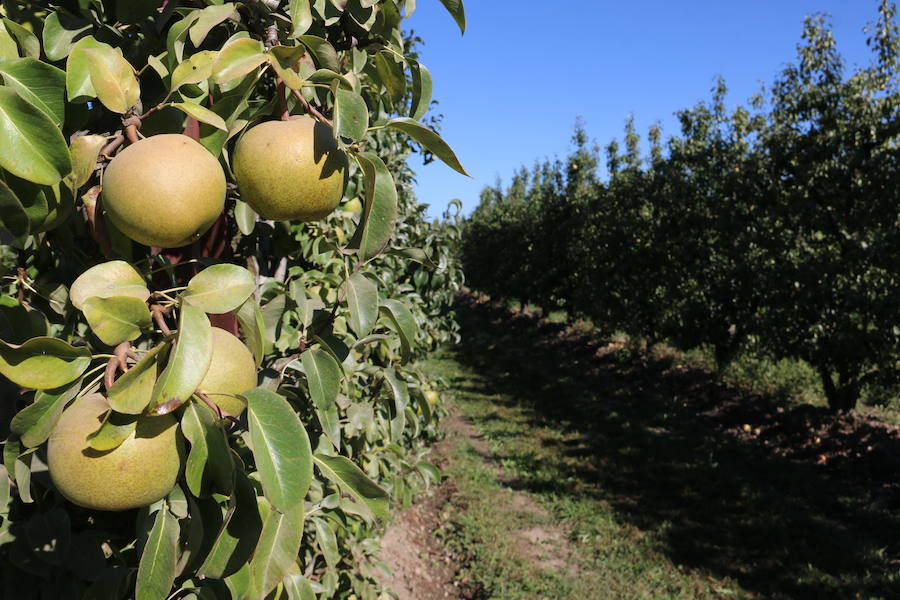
pixel 117 319
pixel 112 278
pixel 188 362
pixel 41 154
pixel 156 572
pixel 380 211
pixel 43 85
pixel 276 550
pixel 352 480
pixel 428 138
pixel 220 288
pixel 280 448
pixel 238 58
pixel 132 391
pixel 43 363
pixel 202 114
pixel 404 324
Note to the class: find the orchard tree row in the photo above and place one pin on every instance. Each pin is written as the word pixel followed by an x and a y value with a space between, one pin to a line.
pixel 216 282
pixel 773 227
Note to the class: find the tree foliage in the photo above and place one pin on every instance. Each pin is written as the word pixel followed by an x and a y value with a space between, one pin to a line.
pixel 283 499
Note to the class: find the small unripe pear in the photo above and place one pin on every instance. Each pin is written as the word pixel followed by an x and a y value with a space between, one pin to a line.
pixel 164 191
pixel 232 371
pixel 139 472
pixel 290 170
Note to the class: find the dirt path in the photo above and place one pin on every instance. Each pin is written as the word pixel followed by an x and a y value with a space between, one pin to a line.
pixel 424 569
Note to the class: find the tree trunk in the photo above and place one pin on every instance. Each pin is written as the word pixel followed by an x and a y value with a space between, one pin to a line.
pixel 842 397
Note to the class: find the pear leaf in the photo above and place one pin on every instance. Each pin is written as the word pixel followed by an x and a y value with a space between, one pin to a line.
pixel 112 278
pixel 43 363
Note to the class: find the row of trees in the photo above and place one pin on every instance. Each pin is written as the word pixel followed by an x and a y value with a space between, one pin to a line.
pixel 773 226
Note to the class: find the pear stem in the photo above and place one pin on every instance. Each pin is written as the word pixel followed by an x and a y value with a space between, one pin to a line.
pixel 312 109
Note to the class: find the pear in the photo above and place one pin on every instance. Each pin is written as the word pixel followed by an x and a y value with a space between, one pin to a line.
pixel 290 170
pixel 232 371
pixel 164 191
pixel 137 473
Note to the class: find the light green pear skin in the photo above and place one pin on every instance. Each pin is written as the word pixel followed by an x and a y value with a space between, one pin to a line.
pixel 164 191
pixel 290 170
pixel 232 371
pixel 143 469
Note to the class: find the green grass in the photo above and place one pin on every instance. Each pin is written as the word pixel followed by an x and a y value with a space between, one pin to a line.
pixel 651 502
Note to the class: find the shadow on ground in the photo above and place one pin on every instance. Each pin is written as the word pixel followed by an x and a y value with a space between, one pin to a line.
pixel 788 501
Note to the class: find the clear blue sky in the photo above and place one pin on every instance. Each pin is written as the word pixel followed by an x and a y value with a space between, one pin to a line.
pixel 511 88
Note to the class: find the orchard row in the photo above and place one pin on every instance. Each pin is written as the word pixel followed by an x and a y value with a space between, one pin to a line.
pixel 772 228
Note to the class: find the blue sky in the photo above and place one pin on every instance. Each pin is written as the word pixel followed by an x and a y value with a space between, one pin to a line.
pixel 511 88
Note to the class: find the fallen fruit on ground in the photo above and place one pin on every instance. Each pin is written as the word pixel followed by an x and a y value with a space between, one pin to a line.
pixel 139 472
pixel 290 170
pixel 164 191
pixel 232 371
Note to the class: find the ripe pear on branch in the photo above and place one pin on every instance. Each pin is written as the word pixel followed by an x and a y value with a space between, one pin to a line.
pixel 290 170
pixel 164 191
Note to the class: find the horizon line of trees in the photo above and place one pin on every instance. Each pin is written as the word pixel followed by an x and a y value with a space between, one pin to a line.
pixel 773 226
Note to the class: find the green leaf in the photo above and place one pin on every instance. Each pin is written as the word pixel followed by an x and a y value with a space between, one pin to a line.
pixel 401 401
pixel 351 479
pixel 327 541
pixel 60 33
pixel 390 72
pixel 28 42
pixel 253 327
pixel 362 298
pixel 208 18
pixel 156 572
pixel 176 37
pixel 301 17
pixel 237 58
pixel 84 151
pixel 421 92
pixel 298 587
pixel 220 288
pixel 457 11
pixel 188 362
pixel 41 154
pixel 202 114
pixel 238 535
pixel 380 212
pixel 428 138
pixel 112 278
pixel 415 254
pixel 115 429
pixel 245 217
pixel 277 549
pixel 196 69
pixel 404 324
pixel 324 53
pixel 280 448
pixel 117 319
pixel 8 46
pixel 112 78
pixel 42 85
pixel 351 115
pixel 209 461
pixel 43 363
pixel 284 60
pixel 34 423
pixel 323 376
pixel 78 72
pixel 132 392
